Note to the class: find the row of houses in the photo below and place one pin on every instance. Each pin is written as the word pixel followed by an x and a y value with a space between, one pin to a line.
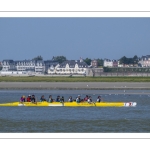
pixel 144 61
pixel 67 67
pixel 40 67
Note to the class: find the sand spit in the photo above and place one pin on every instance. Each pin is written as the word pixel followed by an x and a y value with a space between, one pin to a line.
pixel 76 85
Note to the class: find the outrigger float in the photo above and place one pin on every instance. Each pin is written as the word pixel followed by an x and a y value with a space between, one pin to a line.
pixel 73 104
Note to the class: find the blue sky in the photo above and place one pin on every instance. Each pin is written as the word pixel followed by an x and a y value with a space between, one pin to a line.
pixel 26 38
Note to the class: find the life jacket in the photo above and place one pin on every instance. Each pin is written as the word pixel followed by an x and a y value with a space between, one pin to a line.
pixel 58 100
pixel 85 99
pixel 28 99
pixel 50 100
pixel 98 100
pixel 22 99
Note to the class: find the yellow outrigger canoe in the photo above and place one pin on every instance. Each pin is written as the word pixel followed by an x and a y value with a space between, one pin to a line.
pixel 73 104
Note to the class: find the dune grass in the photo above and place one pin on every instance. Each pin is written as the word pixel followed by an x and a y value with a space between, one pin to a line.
pixel 74 79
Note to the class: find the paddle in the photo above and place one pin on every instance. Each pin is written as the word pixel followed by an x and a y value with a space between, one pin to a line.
pixel 94 103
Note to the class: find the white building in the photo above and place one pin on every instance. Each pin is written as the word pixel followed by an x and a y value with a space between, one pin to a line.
pixel 110 63
pixel 39 66
pixel 72 67
pixel 49 66
pixel 145 61
pixel 23 65
pixel 8 65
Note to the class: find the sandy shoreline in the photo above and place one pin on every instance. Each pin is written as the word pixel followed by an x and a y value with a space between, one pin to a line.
pixel 75 85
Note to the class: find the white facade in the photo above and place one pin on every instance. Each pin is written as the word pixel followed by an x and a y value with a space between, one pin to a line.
pixel 39 67
pixel 53 69
pixel 25 65
pixel 69 67
pixel 50 67
pixel 8 65
pixel 145 61
pixel 108 63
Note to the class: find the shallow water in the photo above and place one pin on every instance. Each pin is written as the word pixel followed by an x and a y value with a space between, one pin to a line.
pixel 76 119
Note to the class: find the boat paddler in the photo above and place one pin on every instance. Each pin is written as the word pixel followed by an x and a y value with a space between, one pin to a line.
pixel 22 99
pixel 99 99
pixel 86 98
pixel 62 99
pixel 78 99
pixel 58 99
pixel 33 100
pixel 29 98
pixel 70 99
pixel 50 100
pixel 42 98
pixel 89 99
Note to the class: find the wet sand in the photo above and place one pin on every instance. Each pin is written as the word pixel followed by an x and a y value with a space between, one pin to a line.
pixel 75 85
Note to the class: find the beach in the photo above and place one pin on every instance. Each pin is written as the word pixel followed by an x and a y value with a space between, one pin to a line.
pixel 76 85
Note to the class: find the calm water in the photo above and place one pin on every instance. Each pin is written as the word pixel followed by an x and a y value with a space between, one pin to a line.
pixel 76 119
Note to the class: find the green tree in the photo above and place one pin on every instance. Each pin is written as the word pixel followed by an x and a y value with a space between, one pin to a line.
pixel 38 58
pixel 123 60
pixel 135 59
pixel 60 59
pixel 100 62
pixel 88 61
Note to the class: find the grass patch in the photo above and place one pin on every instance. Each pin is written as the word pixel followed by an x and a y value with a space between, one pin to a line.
pixel 74 79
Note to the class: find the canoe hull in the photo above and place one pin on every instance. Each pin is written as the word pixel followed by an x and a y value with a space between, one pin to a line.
pixel 73 104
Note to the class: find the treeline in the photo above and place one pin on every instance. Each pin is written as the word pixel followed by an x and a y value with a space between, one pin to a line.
pixel 123 60
pixel 129 61
pixel 61 59
pixel 100 62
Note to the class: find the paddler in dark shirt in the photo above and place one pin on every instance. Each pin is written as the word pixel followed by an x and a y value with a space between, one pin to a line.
pixel 50 100
pixel 58 99
pixel 33 100
pixel 62 99
pixel 42 98
pixel 99 99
